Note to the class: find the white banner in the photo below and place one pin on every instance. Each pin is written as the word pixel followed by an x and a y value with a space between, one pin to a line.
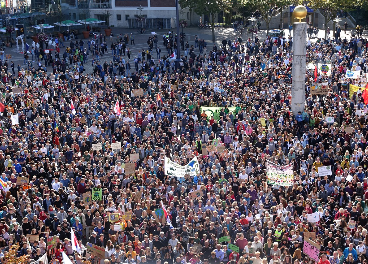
pixel 352 74
pixel 324 170
pixel 174 169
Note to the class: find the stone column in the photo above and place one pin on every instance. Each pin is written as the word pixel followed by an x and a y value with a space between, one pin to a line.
pixel 299 67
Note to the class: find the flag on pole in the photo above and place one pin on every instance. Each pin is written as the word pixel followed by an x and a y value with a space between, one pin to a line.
pixel 365 94
pixel 2 107
pixel 72 108
pixel 66 260
pixel 315 73
pixel 117 108
pixel 43 259
pixel 75 244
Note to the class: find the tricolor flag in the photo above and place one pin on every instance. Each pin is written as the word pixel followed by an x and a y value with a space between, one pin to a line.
pixel 72 108
pixel 315 73
pixel 66 260
pixel 166 215
pixel 3 184
pixel 117 108
pixel 75 244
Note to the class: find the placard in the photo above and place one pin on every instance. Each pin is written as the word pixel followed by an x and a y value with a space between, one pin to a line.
pixel 319 88
pixel 330 120
pixel 97 146
pixel 99 252
pixel 349 130
pixel 204 151
pixel 324 171
pixel 51 242
pixel 15 119
pixel 127 216
pixel 33 238
pixel 87 198
pixel 116 146
pixel 134 157
pixel 195 194
pixel 234 248
pixel 159 212
pixel 138 92
pixel 17 90
pixel 311 250
pixel 224 239
pixel 114 217
pixel 129 168
pixel 22 181
pixel 310 235
pixel 118 228
pixel 220 148
pixel 96 194
pixel 313 218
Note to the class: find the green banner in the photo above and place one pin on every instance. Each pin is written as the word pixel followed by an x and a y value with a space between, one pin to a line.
pixel 234 248
pixel 224 239
pixel 215 111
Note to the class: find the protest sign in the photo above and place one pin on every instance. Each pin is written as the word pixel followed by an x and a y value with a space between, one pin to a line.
pixel 138 92
pixel 279 175
pixel 319 88
pixel 87 198
pixel 114 217
pixel 118 228
pixel 15 119
pixel 129 168
pixel 17 90
pixel 134 157
pixel 324 170
pixel 22 180
pixel 33 238
pixel 176 170
pixel 352 74
pixel 330 119
pixel 324 68
pixel 51 242
pixel 127 216
pixel 204 151
pixel 116 146
pixel 97 146
pixel 224 239
pixel 313 218
pixel 195 194
pixel 355 89
pixel 159 212
pixel 99 252
pixel 96 194
pixel 310 235
pixel 349 130
pixel 215 111
pixel 220 148
pixel 233 248
pixel 311 250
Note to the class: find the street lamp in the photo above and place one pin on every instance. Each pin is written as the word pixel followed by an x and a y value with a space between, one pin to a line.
pixel 140 16
pixel 252 19
pixel 177 62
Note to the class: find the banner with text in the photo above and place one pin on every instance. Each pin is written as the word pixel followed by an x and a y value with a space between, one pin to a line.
pixel 174 169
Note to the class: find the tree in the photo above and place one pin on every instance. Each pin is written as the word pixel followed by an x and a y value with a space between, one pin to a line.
pixel 206 7
pixel 330 8
pixel 266 9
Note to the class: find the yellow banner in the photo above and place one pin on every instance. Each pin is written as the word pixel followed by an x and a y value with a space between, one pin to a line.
pixel 353 89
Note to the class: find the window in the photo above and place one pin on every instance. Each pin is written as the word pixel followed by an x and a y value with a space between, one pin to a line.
pixel 118 17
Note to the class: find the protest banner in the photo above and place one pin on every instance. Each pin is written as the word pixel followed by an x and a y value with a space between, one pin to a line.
pixel 129 168
pixel 354 89
pixel 116 146
pixel 310 249
pixel 114 217
pixel 97 146
pixel 352 74
pixel 319 88
pixel 324 68
pixel 134 157
pixel 22 180
pixel 324 170
pixel 96 194
pixel 279 175
pixel 224 239
pixel 138 92
pixel 215 111
pixel 99 252
pixel 87 198
pixel 233 248
pixel 175 170
pixel 33 238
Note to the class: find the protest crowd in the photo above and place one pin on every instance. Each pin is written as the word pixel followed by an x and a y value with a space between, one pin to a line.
pixel 205 164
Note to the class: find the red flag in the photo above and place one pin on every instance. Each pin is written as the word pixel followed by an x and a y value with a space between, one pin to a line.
pixel 159 98
pixel 365 95
pixel 2 107
pixel 315 73
pixel 72 107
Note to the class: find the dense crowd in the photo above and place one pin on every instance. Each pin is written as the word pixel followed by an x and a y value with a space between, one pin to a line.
pixel 58 129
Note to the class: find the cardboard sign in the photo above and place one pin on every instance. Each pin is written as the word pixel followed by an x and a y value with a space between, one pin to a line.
pixel 349 130
pixel 97 146
pixel 114 217
pixel 118 228
pixel 159 212
pixel 234 248
pixel 138 92
pixel 129 168
pixel 220 148
pixel 224 239
pixel 116 146
pixel 204 151
pixel 99 252
pixel 96 194
pixel 87 198
pixel 22 181
pixel 51 242
pixel 310 235
pixel 33 238
pixel 17 90
pixel 195 194
pixel 134 157
pixel 127 216
pixel 330 120
pixel 324 170
pixel 311 250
